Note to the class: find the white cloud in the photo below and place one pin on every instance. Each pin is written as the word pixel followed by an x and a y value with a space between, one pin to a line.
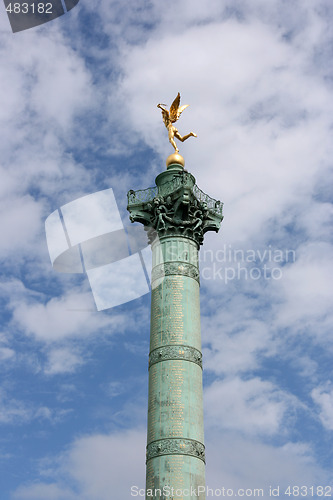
pixel 101 465
pixel 236 353
pixel 306 290
pixel 50 79
pixel 20 220
pixel 13 411
pixel 323 397
pixel 69 315
pixel 237 462
pixel 6 353
pixel 44 89
pixel 52 415
pixel 62 360
pixel 253 406
pixel 90 459
pixel 237 331
pixel 16 411
pixel 58 318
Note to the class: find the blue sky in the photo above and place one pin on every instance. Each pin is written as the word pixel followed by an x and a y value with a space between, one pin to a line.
pixel 78 115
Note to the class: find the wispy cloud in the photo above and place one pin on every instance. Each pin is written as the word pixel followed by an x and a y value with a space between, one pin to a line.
pixel 323 397
pixel 250 406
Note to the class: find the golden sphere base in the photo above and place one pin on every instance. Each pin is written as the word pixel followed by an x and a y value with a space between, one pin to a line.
pixel 175 159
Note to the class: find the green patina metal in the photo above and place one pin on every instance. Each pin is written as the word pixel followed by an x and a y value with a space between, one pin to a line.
pixel 176 215
pixel 183 352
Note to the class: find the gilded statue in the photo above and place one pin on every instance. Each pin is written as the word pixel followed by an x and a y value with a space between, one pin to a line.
pixel 170 117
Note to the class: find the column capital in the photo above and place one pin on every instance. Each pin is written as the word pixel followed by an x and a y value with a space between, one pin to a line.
pixel 175 207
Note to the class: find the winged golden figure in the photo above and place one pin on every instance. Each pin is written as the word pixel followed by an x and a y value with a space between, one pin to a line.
pixel 170 117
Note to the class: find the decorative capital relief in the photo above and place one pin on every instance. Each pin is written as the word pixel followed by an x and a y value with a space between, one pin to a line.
pixel 175 208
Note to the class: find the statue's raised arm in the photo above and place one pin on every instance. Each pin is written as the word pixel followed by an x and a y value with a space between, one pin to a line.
pixel 170 117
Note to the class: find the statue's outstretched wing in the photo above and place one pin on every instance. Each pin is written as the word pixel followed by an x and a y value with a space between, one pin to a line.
pixel 174 109
pixel 181 109
pixel 165 115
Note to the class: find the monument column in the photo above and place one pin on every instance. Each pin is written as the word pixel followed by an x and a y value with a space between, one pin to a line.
pixel 176 214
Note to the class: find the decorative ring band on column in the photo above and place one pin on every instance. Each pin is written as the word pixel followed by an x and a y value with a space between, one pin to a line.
pixel 169 352
pixel 179 268
pixel 175 446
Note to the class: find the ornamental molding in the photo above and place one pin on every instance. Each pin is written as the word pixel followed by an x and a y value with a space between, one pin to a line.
pixel 175 352
pixel 175 446
pixel 175 208
pixel 175 268
pixel 184 180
